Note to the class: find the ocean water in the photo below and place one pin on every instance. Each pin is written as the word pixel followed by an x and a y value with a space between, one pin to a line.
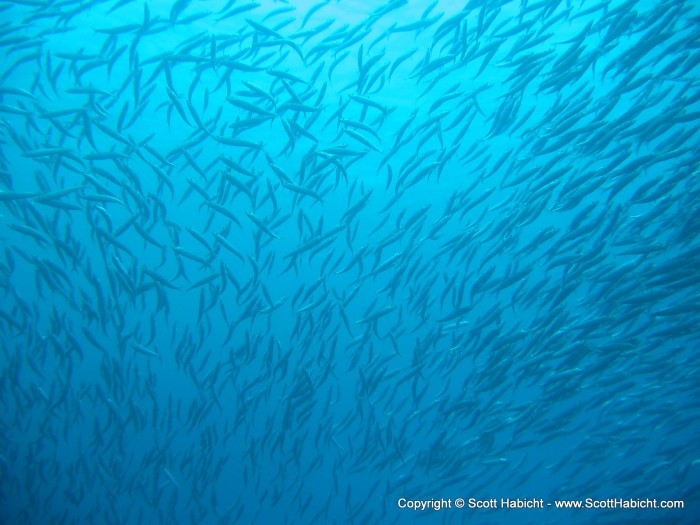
pixel 349 262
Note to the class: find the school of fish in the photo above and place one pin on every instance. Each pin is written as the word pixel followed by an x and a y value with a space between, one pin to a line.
pixel 287 262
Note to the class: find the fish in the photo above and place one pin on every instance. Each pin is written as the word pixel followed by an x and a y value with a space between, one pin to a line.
pixel 395 250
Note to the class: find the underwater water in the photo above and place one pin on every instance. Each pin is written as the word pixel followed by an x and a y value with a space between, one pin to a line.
pixel 326 262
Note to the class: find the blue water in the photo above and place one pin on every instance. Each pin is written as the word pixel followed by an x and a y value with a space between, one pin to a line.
pixel 268 262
